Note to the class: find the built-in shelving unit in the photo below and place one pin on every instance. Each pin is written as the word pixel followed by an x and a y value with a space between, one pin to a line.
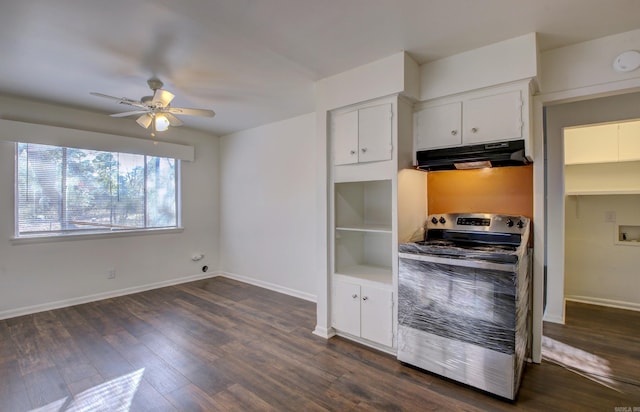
pixel 370 142
pixel 363 232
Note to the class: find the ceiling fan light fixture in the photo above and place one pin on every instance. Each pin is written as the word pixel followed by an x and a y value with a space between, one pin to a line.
pixel 161 122
pixel 145 120
pixel 162 97
pixel 155 110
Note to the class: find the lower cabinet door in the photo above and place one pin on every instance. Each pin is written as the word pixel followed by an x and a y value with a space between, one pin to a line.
pixel 376 315
pixel 346 315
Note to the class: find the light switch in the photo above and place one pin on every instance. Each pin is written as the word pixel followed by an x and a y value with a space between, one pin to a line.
pixel 610 216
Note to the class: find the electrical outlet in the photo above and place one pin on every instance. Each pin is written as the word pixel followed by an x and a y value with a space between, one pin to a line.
pixel 111 274
pixel 610 216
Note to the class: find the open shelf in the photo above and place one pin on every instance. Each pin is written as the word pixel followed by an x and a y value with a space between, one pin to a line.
pixel 618 178
pixel 366 228
pixel 363 230
pixel 364 254
pixel 376 274
pixel 603 192
pixel 362 205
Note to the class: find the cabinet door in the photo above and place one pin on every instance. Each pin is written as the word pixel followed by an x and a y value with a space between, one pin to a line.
pixel 492 118
pixel 376 318
pixel 629 141
pixel 374 133
pixel 345 138
pixel 346 314
pixel 591 144
pixel 438 126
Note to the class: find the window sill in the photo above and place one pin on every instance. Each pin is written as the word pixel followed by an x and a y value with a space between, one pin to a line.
pixel 92 235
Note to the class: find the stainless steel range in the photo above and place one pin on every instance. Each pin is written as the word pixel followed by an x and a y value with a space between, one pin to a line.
pixel 464 299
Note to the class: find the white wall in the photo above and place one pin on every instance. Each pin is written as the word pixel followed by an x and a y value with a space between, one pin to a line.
pixel 622 107
pixel 587 64
pixel 268 206
pixel 41 275
pixel 502 62
pixel 597 269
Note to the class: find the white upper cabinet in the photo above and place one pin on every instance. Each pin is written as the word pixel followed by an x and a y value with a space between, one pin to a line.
pixel 602 143
pixel 439 126
pixel 493 118
pixel 490 115
pixel 363 135
pixel 593 144
pixel 629 141
pixel 345 132
pixel 374 133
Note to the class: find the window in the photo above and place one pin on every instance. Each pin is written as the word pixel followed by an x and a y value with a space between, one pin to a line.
pixel 61 190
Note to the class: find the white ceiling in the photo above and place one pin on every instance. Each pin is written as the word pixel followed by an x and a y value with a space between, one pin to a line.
pixel 256 61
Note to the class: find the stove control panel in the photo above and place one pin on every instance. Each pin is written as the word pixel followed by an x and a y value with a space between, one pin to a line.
pixel 483 222
pixel 473 221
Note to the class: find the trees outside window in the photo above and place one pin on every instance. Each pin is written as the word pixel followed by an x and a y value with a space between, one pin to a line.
pixel 62 190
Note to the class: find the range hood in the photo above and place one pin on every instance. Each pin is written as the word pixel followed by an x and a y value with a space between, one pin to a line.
pixel 473 157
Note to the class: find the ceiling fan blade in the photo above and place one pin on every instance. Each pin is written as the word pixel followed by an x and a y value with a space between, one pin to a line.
pixel 121 100
pixel 190 112
pixel 145 120
pixel 162 98
pixel 173 121
pixel 125 114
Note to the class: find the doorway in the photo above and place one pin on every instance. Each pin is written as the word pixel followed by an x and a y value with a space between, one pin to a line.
pixel 589 274
pixel 558 117
pixel 602 217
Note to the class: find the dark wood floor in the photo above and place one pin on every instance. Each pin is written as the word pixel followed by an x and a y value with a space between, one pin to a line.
pixel 218 344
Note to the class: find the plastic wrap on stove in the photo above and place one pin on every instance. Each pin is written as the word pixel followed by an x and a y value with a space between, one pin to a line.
pixel 487 253
pixel 523 318
pixel 472 323
pixel 469 304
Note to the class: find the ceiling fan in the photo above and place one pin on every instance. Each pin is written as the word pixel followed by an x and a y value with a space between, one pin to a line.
pixel 156 110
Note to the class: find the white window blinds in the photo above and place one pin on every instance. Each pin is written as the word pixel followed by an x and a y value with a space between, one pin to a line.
pixel 62 190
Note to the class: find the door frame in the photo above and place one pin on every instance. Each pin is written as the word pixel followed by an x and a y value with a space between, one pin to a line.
pixel 550 266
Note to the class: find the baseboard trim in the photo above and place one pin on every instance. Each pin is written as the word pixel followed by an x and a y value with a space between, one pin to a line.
pixel 604 302
pixel 28 310
pixel 271 286
pixel 365 342
pixel 324 332
pixel 553 319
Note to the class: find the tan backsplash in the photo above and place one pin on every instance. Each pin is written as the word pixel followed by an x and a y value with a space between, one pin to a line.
pixel 505 190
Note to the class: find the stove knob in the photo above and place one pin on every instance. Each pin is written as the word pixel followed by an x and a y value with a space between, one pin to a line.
pixel 509 222
pixel 442 220
pixel 434 220
pixel 520 224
